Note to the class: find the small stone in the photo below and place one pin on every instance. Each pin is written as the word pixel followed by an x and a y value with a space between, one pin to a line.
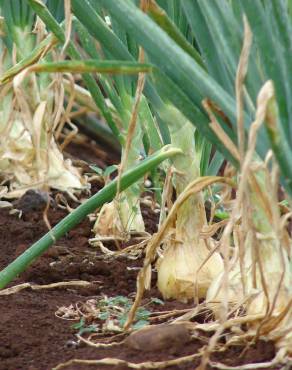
pixel 71 344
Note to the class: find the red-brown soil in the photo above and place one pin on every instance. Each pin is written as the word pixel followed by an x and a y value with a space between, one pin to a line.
pixel 33 338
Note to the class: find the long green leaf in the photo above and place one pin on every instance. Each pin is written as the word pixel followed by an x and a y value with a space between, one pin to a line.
pixel 269 41
pixel 208 47
pixel 91 65
pixel 280 147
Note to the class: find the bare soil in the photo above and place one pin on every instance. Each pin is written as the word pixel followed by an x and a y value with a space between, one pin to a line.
pixel 33 338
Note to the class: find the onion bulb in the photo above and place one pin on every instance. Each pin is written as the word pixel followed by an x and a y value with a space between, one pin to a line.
pixel 184 271
pixel 179 276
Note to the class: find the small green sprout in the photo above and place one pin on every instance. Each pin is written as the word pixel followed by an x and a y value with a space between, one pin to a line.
pixel 83 328
pixel 157 301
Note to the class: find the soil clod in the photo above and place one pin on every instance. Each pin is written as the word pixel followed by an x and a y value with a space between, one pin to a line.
pixel 159 337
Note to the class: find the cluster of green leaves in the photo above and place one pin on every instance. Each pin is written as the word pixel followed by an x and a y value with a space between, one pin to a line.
pixel 115 310
pixel 83 328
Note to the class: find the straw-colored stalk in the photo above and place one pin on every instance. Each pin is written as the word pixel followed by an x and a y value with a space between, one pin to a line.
pixel 259 275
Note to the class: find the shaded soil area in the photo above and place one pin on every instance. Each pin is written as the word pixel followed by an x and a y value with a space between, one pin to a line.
pixel 34 338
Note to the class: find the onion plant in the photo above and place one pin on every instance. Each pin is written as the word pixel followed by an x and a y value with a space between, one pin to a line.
pixel 124 214
pixel 29 154
pixel 183 272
